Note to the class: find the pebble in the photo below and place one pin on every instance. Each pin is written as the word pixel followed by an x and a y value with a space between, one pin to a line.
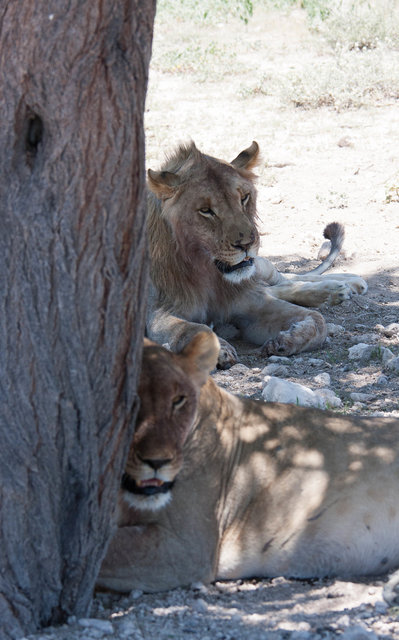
pixel 334 329
pixel 95 623
pixel 278 390
pixel 393 365
pixel 239 368
pixel 389 331
pixel 283 359
pixel 275 369
pixel 135 594
pixel 362 397
pixel 358 633
pixel 323 379
pixel 382 380
pixel 360 351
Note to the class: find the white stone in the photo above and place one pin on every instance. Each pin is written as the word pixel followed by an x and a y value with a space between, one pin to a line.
pixel 361 350
pixel 323 378
pixel 361 397
pixel 332 400
pixel 277 390
pixel 279 359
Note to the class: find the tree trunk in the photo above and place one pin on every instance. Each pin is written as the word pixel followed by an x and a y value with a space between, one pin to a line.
pixel 72 291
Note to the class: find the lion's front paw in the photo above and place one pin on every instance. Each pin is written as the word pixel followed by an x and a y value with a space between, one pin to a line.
pixel 339 292
pixel 357 285
pixel 227 355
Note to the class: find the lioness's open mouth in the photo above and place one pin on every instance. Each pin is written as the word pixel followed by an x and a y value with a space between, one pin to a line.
pixel 146 487
pixel 229 268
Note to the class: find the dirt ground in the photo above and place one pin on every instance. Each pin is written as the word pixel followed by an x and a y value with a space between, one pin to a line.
pixel 318 165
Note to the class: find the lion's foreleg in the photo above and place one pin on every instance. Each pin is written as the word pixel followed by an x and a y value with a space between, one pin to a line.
pixel 281 328
pixel 163 327
pixel 305 335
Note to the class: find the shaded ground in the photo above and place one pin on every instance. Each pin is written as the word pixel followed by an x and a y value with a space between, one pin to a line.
pixel 209 83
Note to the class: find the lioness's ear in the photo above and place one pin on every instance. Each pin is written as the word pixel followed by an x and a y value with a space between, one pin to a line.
pixel 248 158
pixel 162 183
pixel 201 355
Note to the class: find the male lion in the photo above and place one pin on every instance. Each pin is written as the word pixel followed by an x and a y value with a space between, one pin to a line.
pixel 218 486
pixel 204 264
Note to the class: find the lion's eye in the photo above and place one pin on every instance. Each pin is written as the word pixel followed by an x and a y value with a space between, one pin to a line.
pixel 245 199
pixel 179 401
pixel 207 212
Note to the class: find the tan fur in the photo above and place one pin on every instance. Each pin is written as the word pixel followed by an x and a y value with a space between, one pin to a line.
pixel 262 490
pixel 201 214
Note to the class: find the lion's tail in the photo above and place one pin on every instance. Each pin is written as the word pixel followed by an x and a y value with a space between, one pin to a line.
pixel 334 232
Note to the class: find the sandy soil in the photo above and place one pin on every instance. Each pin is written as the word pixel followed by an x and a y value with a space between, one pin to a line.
pixel 318 166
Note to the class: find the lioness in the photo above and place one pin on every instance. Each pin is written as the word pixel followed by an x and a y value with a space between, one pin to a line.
pixel 218 486
pixel 204 264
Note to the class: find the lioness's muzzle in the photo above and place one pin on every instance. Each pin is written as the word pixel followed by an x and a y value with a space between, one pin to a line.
pixel 129 484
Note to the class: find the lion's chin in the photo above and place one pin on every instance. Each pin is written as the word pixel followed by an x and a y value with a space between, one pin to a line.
pixel 146 495
pixel 237 272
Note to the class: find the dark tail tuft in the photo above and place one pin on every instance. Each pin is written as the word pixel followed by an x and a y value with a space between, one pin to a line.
pixel 334 232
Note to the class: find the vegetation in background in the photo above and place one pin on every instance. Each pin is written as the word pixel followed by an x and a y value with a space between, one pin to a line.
pixel 359 40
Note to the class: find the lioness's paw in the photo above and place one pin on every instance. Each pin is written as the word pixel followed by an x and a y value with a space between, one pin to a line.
pixel 227 355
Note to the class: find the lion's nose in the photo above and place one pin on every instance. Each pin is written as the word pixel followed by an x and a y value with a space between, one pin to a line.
pixel 155 463
pixel 244 246
pixel 244 241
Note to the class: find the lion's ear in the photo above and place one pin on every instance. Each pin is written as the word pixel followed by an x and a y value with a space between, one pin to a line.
pixel 201 355
pixel 248 158
pixel 162 183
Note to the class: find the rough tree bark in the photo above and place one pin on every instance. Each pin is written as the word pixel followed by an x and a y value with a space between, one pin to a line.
pixel 73 77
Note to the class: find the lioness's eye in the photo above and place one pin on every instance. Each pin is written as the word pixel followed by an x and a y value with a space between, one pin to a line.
pixel 178 402
pixel 206 211
pixel 245 199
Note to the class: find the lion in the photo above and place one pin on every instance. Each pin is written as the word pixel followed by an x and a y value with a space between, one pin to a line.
pixel 205 268
pixel 221 487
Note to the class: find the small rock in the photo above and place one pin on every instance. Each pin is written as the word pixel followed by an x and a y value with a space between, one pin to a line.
pixel 332 400
pixel 345 142
pixel 334 329
pixel 381 607
pixel 386 354
pixel 279 359
pixel 200 606
pixel 316 362
pixel 105 626
pixel 323 379
pixel 362 397
pixel 239 368
pixel 277 390
pixel 135 594
pixel 389 331
pixel 275 369
pixel 393 365
pixel 382 380
pixel 358 633
pixel 364 338
pixel 360 351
